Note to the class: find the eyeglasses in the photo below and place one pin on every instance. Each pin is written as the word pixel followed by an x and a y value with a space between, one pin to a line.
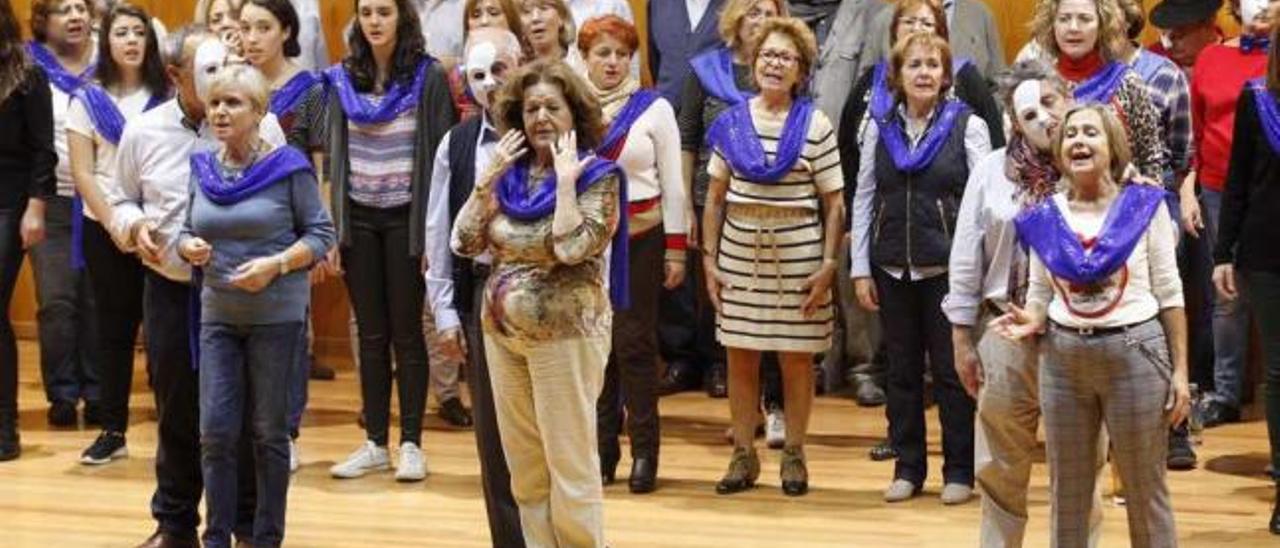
pixel 777 57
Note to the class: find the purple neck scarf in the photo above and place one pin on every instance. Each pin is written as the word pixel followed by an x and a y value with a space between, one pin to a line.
pixel 1044 229
pixel 734 136
pixel 398 99
pixel 267 171
pixel 1102 85
pixel 616 138
pixel 1268 112
pixel 518 201
pixel 882 97
pixel 894 137
pixel 291 93
pixel 54 70
pixel 714 69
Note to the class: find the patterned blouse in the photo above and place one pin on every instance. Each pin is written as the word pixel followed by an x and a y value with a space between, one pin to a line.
pixel 544 288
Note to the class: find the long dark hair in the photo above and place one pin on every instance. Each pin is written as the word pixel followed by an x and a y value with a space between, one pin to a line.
pixel 108 72
pixel 13 57
pixel 410 50
pixel 284 13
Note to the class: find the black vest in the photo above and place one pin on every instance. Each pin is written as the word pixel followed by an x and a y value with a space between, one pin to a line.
pixel 462 178
pixel 915 215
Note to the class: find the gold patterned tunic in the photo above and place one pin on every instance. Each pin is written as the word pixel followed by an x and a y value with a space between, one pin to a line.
pixel 543 287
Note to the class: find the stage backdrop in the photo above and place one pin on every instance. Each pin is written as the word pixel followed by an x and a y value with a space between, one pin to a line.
pixel 330 306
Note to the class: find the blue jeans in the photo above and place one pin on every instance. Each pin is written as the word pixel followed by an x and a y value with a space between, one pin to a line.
pixel 67 327
pixel 1230 323
pixel 246 369
pixel 298 378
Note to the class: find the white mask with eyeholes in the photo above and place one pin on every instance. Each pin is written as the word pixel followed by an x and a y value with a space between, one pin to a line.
pixel 479 70
pixel 1031 117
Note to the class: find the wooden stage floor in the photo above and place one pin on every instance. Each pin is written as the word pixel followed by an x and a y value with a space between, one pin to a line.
pixel 48 499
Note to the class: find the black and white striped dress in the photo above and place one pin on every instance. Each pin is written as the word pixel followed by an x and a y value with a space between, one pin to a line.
pixel 772 240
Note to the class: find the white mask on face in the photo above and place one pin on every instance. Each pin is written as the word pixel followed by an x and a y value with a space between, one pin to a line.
pixel 1031 117
pixel 479 68
pixel 210 57
pixel 1250 9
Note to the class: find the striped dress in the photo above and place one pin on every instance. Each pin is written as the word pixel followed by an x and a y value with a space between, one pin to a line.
pixel 772 240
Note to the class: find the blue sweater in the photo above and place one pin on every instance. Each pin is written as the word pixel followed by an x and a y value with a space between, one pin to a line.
pixel 262 225
pixel 672 44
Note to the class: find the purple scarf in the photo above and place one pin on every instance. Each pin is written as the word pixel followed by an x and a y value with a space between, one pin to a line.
pixel 1099 87
pixel 734 136
pixel 109 123
pixel 276 166
pixel 292 92
pixel 518 202
pixel 398 99
pixel 1044 229
pixel 882 97
pixel 894 137
pixel 54 70
pixel 616 138
pixel 1268 112
pixel 714 69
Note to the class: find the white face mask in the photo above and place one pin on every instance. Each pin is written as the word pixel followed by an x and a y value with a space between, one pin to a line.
pixel 479 68
pixel 210 57
pixel 1251 9
pixel 1032 119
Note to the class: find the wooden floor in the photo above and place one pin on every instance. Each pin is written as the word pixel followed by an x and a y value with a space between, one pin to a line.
pixel 47 499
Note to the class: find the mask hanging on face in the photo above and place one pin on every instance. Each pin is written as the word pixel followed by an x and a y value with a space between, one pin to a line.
pixel 479 71
pixel 1032 118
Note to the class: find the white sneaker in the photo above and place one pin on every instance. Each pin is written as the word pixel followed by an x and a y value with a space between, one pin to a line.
pixel 775 429
pixel 412 466
pixel 295 460
pixel 367 458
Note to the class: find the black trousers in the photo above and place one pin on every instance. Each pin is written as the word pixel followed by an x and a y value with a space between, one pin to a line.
pixel 631 376
pixel 387 289
pixel 117 282
pixel 495 478
pixel 916 331
pixel 11 254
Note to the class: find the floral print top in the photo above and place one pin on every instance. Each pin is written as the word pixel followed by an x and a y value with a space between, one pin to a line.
pixel 544 287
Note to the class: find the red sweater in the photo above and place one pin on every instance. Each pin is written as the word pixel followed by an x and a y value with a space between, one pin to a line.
pixel 1217 80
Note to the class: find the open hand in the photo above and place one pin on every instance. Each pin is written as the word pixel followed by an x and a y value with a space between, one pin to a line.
pixel 1017 324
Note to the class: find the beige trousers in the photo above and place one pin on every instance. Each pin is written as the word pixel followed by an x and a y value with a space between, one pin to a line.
pixel 545 398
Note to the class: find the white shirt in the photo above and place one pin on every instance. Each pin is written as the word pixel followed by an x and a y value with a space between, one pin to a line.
pixel 977 144
pixel 315 52
pixel 61 106
pixel 984 252
pixel 439 274
pixel 651 160
pixel 1145 285
pixel 104 164
pixel 696 9
pixel 153 177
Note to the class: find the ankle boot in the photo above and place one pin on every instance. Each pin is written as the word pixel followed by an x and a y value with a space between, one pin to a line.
pixel 794 472
pixel 744 470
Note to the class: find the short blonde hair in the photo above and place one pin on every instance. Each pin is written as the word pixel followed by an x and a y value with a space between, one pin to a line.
pixel 244 79
pixel 731 16
pixel 1117 139
pixel 800 36
pixel 1113 43
pixel 898 59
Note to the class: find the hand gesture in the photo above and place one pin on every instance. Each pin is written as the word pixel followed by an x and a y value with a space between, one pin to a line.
pixel 1016 324
pixel 865 289
pixel 255 274
pixel 510 148
pixel 568 166
pixel 453 344
pixel 196 251
pixel 819 286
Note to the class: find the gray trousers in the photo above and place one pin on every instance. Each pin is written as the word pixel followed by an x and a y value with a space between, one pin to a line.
pixel 1005 439
pixel 1122 381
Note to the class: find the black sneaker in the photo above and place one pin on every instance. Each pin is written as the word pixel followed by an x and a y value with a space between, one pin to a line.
pixel 454 413
pixel 62 414
pixel 1181 456
pixel 108 447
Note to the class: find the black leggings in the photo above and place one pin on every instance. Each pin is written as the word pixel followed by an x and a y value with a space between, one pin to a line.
pixel 387 289
pixel 10 263
pixel 117 281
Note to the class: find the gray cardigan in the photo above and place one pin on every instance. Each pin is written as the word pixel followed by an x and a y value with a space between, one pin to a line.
pixel 432 123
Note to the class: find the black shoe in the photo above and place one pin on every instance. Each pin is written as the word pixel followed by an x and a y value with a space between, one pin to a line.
pixel 883 451
pixel 644 475
pixel 92 413
pixel 718 381
pixel 321 372
pixel 1217 414
pixel 62 414
pixel 454 413
pixel 679 377
pixel 108 447
pixel 1181 456
pixel 10 447
pixel 1275 514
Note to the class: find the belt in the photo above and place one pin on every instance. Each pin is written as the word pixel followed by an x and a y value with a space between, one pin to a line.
pixel 1097 331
